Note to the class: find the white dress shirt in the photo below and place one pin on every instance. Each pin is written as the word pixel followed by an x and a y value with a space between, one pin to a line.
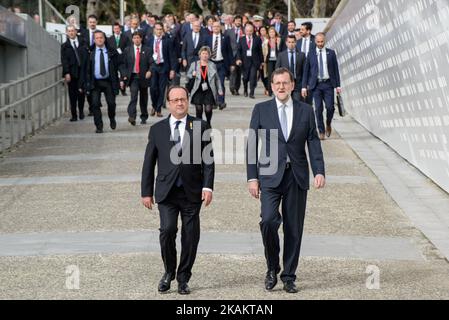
pixel 195 38
pixel 160 50
pixel 90 36
pixel 75 43
pixel 289 111
pixel 307 45
pixel 219 56
pixel 182 130
pixel 326 70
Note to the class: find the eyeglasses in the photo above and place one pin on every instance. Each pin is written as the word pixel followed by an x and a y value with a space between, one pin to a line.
pixel 284 84
pixel 183 100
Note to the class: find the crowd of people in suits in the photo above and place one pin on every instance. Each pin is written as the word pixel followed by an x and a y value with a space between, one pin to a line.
pixel 149 53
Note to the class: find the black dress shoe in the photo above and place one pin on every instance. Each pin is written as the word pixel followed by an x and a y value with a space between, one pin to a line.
pixel 132 121
pixel 245 94
pixel 113 124
pixel 164 284
pixel 328 130
pixel 143 121
pixel 271 280
pixel 73 119
pixel 99 130
pixel 290 287
pixel 183 288
pixel 222 106
pixel 237 93
pixel 82 116
pixel 252 96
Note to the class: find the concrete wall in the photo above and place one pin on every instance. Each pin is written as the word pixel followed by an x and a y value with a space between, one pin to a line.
pixel 43 51
pixel 395 74
pixel 21 55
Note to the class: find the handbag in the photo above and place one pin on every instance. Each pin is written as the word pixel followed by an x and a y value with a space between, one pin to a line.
pixel 191 82
pixel 340 106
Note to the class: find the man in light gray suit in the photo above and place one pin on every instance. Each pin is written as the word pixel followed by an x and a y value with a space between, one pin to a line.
pixel 234 35
pixel 294 61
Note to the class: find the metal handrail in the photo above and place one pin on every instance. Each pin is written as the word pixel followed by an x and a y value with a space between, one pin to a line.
pixel 31 110
pixel 29 77
pixel 33 95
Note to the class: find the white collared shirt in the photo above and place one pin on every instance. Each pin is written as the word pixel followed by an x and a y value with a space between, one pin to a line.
pixel 182 127
pixel 326 70
pixel 160 50
pixel 90 37
pixel 289 111
pixel 182 130
pixel 307 45
pixel 219 56
pixel 75 43
pixel 197 35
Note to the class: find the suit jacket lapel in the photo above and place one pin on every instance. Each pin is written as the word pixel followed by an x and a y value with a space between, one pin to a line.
pixel 275 117
pixel 168 131
pixel 295 117
pixel 188 133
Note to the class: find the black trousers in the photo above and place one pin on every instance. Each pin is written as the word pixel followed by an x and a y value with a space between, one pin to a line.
pixel 76 98
pixel 235 79
pixel 169 210
pixel 293 212
pixel 102 86
pixel 138 91
pixel 249 75
pixel 159 80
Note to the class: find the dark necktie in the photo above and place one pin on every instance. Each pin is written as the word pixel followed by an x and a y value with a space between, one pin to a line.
pixel 292 63
pixel 102 64
pixel 75 48
pixel 177 137
pixel 178 145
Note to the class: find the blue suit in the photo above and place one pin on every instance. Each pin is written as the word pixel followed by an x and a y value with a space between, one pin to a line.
pixel 288 183
pixel 322 91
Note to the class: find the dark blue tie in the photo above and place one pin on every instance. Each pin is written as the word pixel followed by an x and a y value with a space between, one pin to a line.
pixel 292 63
pixel 102 64
pixel 321 65
pixel 178 145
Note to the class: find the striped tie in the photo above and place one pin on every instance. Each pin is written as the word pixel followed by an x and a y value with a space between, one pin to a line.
pixel 215 49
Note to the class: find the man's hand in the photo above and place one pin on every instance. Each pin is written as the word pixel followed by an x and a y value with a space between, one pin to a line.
pixel 67 78
pixel 254 189
pixel 148 202
pixel 148 75
pixel 207 198
pixel 338 90
pixel 320 182
pixel 304 93
pixel 194 74
pixel 232 68
pixel 238 62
